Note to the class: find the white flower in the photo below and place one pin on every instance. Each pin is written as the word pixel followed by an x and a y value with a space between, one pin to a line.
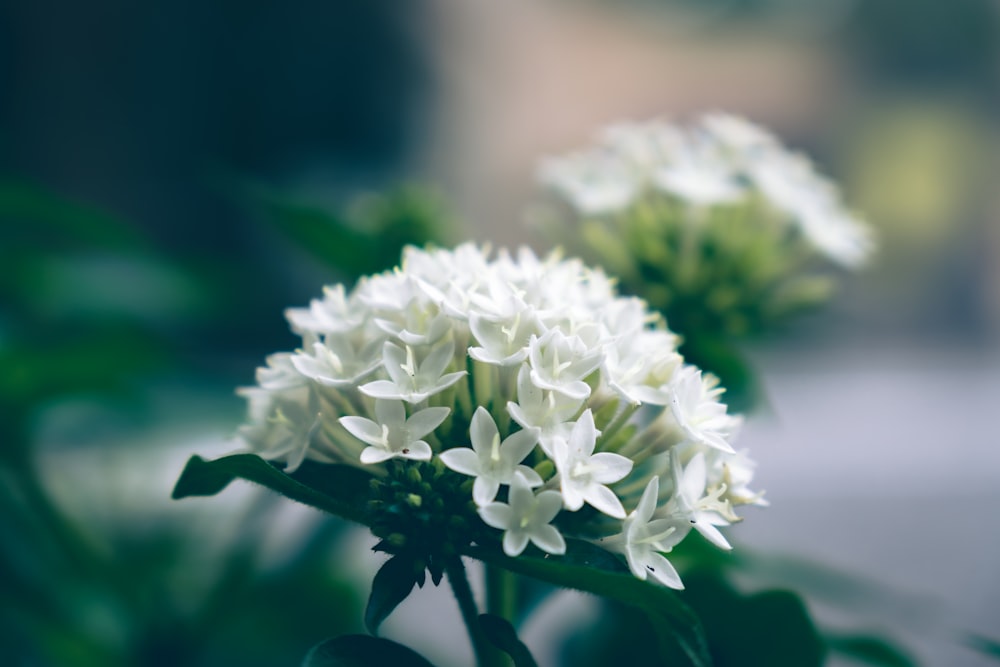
pixel 280 373
pixel 643 540
pixel 285 425
pixel 699 174
pixel 502 342
pixel 547 411
pixel 412 382
pixel 490 461
pixel 690 505
pixel 560 363
pixel 394 435
pixel 335 313
pixel 702 418
pixel 583 475
pixel 336 362
pixel 526 517
pixel 595 182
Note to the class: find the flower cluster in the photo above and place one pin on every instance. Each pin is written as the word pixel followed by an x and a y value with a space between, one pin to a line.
pixel 720 160
pixel 558 408
pixel 716 225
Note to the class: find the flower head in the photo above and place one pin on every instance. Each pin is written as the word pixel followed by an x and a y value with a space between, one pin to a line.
pixel 491 399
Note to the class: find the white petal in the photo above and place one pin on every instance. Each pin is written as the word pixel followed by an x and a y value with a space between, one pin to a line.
pixel 437 361
pixel 484 490
pixel 584 435
pixel 647 504
pixel 375 455
pixel 393 358
pixel 604 499
pixel 482 431
pixel 514 542
pixel 363 429
pixel 383 389
pixel 530 476
pixel 425 421
pixel 693 479
pixel 613 467
pixel 417 451
pixel 462 460
pixel 712 534
pixel 663 571
pixel 547 538
pixel 517 447
pixel 497 515
pixel 550 503
pixel 390 413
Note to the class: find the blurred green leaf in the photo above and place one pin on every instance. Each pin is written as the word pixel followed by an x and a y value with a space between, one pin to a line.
pixel 32 216
pixel 363 651
pixel 501 634
pixel 363 238
pixel 736 625
pixel 985 645
pixel 345 487
pixel 870 649
pixel 391 585
pixel 679 631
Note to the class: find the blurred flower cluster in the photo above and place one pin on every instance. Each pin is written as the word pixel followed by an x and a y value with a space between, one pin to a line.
pixel 515 399
pixel 718 225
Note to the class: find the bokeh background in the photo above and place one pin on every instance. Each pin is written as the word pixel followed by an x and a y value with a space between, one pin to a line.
pixel 174 174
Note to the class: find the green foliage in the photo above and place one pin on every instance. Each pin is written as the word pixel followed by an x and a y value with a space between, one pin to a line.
pixel 984 645
pixel 342 485
pixel 681 639
pixel 736 623
pixel 363 651
pixel 363 238
pixel 870 650
pixel 501 634
pixel 392 584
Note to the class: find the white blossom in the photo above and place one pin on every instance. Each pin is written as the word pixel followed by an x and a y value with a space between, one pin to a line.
pixel 643 540
pixel 393 435
pixel 526 517
pixel 410 381
pixel 491 461
pixel 583 475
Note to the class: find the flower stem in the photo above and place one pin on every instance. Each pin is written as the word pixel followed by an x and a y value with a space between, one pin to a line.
pixel 501 592
pixel 486 654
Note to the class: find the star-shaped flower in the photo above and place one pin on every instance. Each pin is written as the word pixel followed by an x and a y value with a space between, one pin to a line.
pixel 644 539
pixel 393 435
pixel 583 474
pixel 699 415
pixel 490 461
pixel 690 505
pixel 560 363
pixel 526 517
pixel 412 382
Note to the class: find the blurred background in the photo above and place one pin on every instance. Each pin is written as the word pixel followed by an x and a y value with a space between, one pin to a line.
pixel 174 174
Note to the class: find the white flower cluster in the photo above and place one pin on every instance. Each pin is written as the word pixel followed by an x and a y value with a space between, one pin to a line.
pixel 721 159
pixel 526 374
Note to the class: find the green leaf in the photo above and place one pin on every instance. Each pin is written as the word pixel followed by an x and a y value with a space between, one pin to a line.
pixel 679 631
pixel 985 645
pixel 343 487
pixel 392 584
pixel 737 623
pixel 870 650
pixel 502 635
pixel 362 651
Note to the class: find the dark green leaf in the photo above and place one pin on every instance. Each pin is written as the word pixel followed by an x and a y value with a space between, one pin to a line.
pixel 985 645
pixel 502 635
pixel 345 487
pixel 392 583
pixel 679 631
pixel 870 650
pixel 736 625
pixel 363 651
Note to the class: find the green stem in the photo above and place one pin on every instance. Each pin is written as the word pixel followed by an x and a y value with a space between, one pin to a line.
pixel 501 592
pixel 486 654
